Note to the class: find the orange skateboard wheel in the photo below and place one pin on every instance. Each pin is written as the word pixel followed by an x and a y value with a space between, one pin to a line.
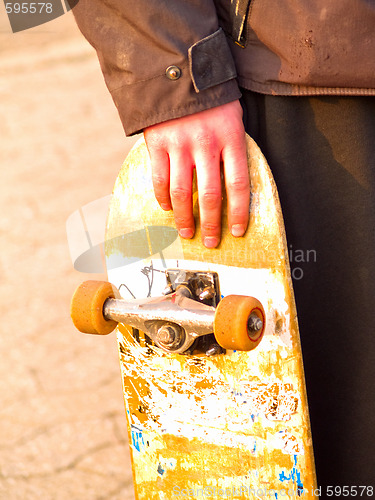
pixel 87 304
pixel 239 322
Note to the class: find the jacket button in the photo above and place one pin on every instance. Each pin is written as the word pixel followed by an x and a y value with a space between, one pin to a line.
pixel 173 72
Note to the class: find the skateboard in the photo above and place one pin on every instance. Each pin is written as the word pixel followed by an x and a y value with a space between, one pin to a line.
pixel 209 345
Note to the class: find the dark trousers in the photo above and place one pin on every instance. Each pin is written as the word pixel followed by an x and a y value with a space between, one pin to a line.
pixel 322 154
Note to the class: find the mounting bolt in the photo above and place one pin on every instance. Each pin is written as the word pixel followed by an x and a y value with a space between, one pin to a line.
pixel 166 334
pixel 167 290
pixel 170 336
pixel 207 293
pixel 214 349
pixel 254 323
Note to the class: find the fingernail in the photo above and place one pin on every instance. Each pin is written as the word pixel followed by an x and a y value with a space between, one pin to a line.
pixel 211 242
pixel 238 229
pixel 166 207
pixel 186 233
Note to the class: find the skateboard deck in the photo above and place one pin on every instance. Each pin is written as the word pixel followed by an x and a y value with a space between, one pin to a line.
pixel 208 421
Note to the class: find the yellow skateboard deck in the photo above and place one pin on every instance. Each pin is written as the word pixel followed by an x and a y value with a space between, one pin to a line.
pixel 210 422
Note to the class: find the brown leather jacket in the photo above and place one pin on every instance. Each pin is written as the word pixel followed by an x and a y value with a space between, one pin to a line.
pixel 163 59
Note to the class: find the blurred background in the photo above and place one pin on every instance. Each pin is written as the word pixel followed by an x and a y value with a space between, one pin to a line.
pixel 62 421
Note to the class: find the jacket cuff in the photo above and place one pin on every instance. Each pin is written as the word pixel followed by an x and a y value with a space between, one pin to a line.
pixel 211 62
pixel 141 105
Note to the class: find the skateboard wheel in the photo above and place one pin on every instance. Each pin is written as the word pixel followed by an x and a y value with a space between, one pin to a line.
pixel 87 307
pixel 239 322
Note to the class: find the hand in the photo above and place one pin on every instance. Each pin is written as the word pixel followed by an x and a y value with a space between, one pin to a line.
pixel 202 141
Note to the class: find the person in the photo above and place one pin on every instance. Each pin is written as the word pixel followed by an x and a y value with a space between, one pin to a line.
pixel 299 77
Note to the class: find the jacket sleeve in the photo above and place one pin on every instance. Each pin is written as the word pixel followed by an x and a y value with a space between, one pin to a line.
pixel 161 59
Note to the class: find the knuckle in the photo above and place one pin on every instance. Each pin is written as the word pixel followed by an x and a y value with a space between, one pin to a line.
pixel 235 131
pixel 154 141
pixel 239 184
pixel 182 221
pixel 159 181
pixel 180 195
pixel 211 200
pixel 235 142
pixel 205 140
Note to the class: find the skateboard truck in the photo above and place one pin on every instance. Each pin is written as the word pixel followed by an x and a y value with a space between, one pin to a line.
pixel 190 309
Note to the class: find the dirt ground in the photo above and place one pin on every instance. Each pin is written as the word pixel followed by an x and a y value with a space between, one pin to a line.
pixel 62 422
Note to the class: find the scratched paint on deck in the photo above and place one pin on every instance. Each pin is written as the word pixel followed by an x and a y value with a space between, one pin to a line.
pixel 238 424
pixel 295 476
pixel 227 421
pixel 176 399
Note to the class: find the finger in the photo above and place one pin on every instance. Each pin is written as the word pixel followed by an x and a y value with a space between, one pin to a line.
pixel 160 177
pixel 209 195
pixel 181 179
pixel 237 184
